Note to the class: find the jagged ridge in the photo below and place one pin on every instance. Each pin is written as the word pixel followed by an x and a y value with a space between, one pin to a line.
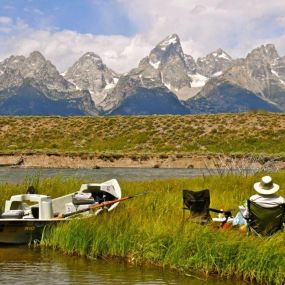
pixel 166 81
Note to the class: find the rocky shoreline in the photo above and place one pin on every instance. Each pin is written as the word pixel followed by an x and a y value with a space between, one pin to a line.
pixel 139 161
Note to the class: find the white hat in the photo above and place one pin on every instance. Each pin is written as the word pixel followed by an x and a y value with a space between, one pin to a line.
pixel 266 187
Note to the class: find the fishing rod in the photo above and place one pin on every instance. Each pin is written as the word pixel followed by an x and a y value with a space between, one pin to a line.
pixel 100 205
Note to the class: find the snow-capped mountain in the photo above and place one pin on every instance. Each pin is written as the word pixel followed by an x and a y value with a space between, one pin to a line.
pixel 90 73
pixel 33 85
pixel 15 69
pixel 167 81
pixel 164 71
pixel 165 68
pixel 169 60
pixel 214 64
pixel 256 82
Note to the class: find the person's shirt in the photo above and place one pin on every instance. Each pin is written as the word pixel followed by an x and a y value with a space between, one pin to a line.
pixel 267 201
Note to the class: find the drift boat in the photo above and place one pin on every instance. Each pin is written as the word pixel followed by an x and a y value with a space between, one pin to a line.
pixel 26 215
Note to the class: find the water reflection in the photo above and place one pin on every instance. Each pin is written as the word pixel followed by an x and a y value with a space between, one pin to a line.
pixel 21 265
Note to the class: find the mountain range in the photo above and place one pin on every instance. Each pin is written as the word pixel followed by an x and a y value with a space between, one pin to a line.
pixel 167 81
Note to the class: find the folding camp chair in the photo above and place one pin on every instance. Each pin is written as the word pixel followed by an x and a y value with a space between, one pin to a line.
pixel 265 221
pixel 198 203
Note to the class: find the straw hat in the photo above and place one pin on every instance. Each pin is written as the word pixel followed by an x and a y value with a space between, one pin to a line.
pixel 266 186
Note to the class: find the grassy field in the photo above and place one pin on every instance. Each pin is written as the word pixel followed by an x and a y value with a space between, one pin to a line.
pixel 246 133
pixel 150 229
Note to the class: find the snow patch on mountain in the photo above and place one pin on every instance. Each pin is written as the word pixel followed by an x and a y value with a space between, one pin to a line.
pixel 217 74
pixel 168 85
pixel 277 75
pixel 155 65
pixel 221 55
pixel 173 39
pixel 198 80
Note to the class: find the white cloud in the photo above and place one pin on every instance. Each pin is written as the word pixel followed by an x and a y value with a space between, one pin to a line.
pixel 203 26
pixel 63 48
pixel 235 26
pixel 5 24
pixel 5 20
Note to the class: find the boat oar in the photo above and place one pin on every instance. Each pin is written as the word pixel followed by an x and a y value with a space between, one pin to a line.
pixel 101 205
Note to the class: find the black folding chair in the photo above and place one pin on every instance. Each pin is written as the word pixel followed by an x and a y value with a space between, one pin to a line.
pixel 265 221
pixel 198 203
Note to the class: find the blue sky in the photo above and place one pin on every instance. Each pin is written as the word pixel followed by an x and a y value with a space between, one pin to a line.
pixel 84 16
pixel 122 32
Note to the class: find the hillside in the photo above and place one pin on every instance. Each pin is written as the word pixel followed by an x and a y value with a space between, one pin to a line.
pixel 248 133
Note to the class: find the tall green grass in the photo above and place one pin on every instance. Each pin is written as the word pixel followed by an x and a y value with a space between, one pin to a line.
pixel 151 229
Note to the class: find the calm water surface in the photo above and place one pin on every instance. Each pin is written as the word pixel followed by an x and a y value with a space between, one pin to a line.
pixel 21 265
pixel 19 174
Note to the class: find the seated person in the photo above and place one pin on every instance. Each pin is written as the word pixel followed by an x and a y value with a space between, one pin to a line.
pixel 266 198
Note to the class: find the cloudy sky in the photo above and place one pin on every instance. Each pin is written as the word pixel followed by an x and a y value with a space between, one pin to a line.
pixel 124 31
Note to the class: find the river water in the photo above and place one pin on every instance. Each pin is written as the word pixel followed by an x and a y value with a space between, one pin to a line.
pixel 13 175
pixel 21 265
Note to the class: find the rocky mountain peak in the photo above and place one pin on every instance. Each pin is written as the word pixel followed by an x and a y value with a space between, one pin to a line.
pixel 166 68
pixel 37 85
pixel 90 62
pixel 36 56
pixel 37 63
pixel 220 54
pixel 34 67
pixel 170 40
pixel 264 53
pixel 91 55
pixel 271 49
pixel 91 58
pixel 265 68
pixel 165 51
pixel 90 73
pixel 13 60
pixel 191 63
pixel 214 63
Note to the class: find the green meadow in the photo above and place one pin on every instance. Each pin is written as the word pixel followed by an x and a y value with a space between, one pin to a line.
pixel 150 229
pixel 245 133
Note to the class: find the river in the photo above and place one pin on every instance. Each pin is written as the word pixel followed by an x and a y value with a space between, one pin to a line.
pixel 15 175
pixel 21 265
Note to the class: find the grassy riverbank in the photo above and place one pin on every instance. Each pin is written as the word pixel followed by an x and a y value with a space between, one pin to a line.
pixel 115 137
pixel 150 230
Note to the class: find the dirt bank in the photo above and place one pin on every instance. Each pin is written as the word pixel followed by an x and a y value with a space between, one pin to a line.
pixel 140 161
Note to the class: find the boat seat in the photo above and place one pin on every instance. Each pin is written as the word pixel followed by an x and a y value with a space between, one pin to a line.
pixel 79 199
pixel 13 214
